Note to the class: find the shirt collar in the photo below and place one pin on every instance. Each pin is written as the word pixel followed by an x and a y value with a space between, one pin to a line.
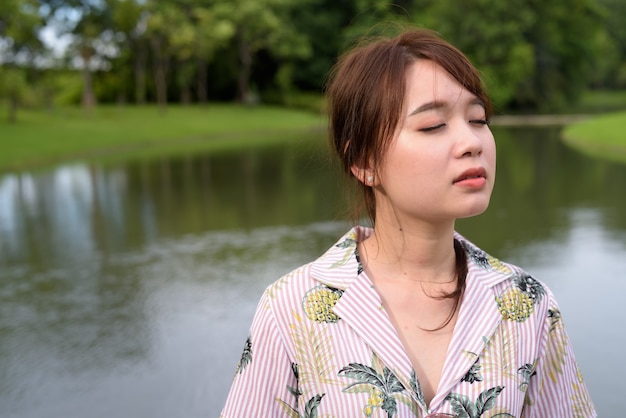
pixel 339 266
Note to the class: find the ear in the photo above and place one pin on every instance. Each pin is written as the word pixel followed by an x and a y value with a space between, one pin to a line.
pixel 364 175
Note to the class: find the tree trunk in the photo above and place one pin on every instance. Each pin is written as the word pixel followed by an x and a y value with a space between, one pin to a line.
pixel 185 94
pixel 184 70
pixel 140 75
pixel 245 60
pixel 203 81
pixel 158 61
pixel 89 98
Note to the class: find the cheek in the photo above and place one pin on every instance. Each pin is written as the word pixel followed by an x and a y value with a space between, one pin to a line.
pixel 489 150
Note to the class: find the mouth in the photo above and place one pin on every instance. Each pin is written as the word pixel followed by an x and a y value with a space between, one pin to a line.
pixel 472 173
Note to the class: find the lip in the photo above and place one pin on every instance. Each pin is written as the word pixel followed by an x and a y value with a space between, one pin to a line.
pixel 472 173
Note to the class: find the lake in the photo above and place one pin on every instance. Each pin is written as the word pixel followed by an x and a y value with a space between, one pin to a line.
pixel 127 290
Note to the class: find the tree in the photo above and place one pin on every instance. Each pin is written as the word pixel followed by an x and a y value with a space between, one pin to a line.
pixel 263 25
pixel 212 31
pixel 614 42
pixel 492 35
pixel 534 55
pixel 87 34
pixel 89 23
pixel 564 36
pixel 19 46
pixel 201 29
pixel 129 22
pixel 158 34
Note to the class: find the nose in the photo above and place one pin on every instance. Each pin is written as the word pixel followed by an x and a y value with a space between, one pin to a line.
pixel 469 141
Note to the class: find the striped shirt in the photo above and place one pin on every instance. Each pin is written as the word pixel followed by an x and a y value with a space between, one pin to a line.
pixel 322 345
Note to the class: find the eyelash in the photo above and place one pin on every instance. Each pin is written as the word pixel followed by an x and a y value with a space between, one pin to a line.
pixel 441 125
pixel 432 128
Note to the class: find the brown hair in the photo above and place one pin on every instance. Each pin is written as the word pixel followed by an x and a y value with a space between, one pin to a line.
pixel 365 93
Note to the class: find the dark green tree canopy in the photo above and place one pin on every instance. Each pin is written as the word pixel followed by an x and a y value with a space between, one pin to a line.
pixel 534 55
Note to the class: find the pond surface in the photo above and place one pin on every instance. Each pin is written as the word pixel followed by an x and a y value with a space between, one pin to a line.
pixel 127 291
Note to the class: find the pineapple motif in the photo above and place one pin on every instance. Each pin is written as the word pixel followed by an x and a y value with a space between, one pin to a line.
pixel 479 256
pixel 518 303
pixel 318 304
pixel 498 265
pixel 484 260
pixel 515 305
pixel 528 284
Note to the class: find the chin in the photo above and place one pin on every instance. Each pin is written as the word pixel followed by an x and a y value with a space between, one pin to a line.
pixel 474 210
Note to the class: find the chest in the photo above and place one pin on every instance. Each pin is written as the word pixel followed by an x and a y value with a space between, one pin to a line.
pixel 426 345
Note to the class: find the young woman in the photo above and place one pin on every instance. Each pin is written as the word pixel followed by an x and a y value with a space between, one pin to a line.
pixel 408 318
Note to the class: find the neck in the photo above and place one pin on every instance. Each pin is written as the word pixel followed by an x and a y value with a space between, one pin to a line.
pixel 419 252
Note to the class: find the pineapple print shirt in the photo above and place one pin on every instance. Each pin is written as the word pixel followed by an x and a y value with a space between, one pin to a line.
pixel 322 345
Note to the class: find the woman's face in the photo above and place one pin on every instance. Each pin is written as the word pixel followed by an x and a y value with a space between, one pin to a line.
pixel 441 164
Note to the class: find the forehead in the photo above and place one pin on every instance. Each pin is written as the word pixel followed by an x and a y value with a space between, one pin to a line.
pixel 427 81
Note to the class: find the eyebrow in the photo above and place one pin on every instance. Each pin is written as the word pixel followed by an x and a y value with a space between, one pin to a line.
pixel 438 105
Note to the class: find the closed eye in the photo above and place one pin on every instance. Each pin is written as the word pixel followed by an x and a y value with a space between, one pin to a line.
pixel 479 121
pixel 432 128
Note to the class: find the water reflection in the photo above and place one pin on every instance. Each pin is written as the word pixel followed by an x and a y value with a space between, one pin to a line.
pixel 131 288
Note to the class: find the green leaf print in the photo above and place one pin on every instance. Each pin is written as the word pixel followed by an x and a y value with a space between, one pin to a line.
pixel 487 399
pixel 473 374
pixel 417 388
pixel 363 375
pixel 463 407
pixel 346 243
pixel 526 371
pixel 555 317
pixel 295 391
pixel 246 356
pixel 310 410
pixel 391 382
pixel 384 386
pixel 349 244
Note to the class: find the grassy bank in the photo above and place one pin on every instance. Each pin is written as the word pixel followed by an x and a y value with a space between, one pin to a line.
pixel 602 136
pixel 41 138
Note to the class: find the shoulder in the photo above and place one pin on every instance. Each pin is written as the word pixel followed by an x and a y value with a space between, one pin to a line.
pixel 333 271
pixel 517 292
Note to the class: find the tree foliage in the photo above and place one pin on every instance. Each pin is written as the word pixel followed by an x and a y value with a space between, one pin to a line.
pixel 534 55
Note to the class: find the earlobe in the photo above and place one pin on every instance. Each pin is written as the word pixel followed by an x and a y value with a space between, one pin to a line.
pixel 365 176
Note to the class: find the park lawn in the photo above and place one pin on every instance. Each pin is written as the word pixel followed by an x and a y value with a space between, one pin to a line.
pixel 600 101
pixel 602 136
pixel 41 138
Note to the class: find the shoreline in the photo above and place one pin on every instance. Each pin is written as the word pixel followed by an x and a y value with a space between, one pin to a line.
pixel 537 120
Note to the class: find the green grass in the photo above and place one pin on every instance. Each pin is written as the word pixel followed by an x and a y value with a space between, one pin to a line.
pixel 601 101
pixel 602 136
pixel 41 138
